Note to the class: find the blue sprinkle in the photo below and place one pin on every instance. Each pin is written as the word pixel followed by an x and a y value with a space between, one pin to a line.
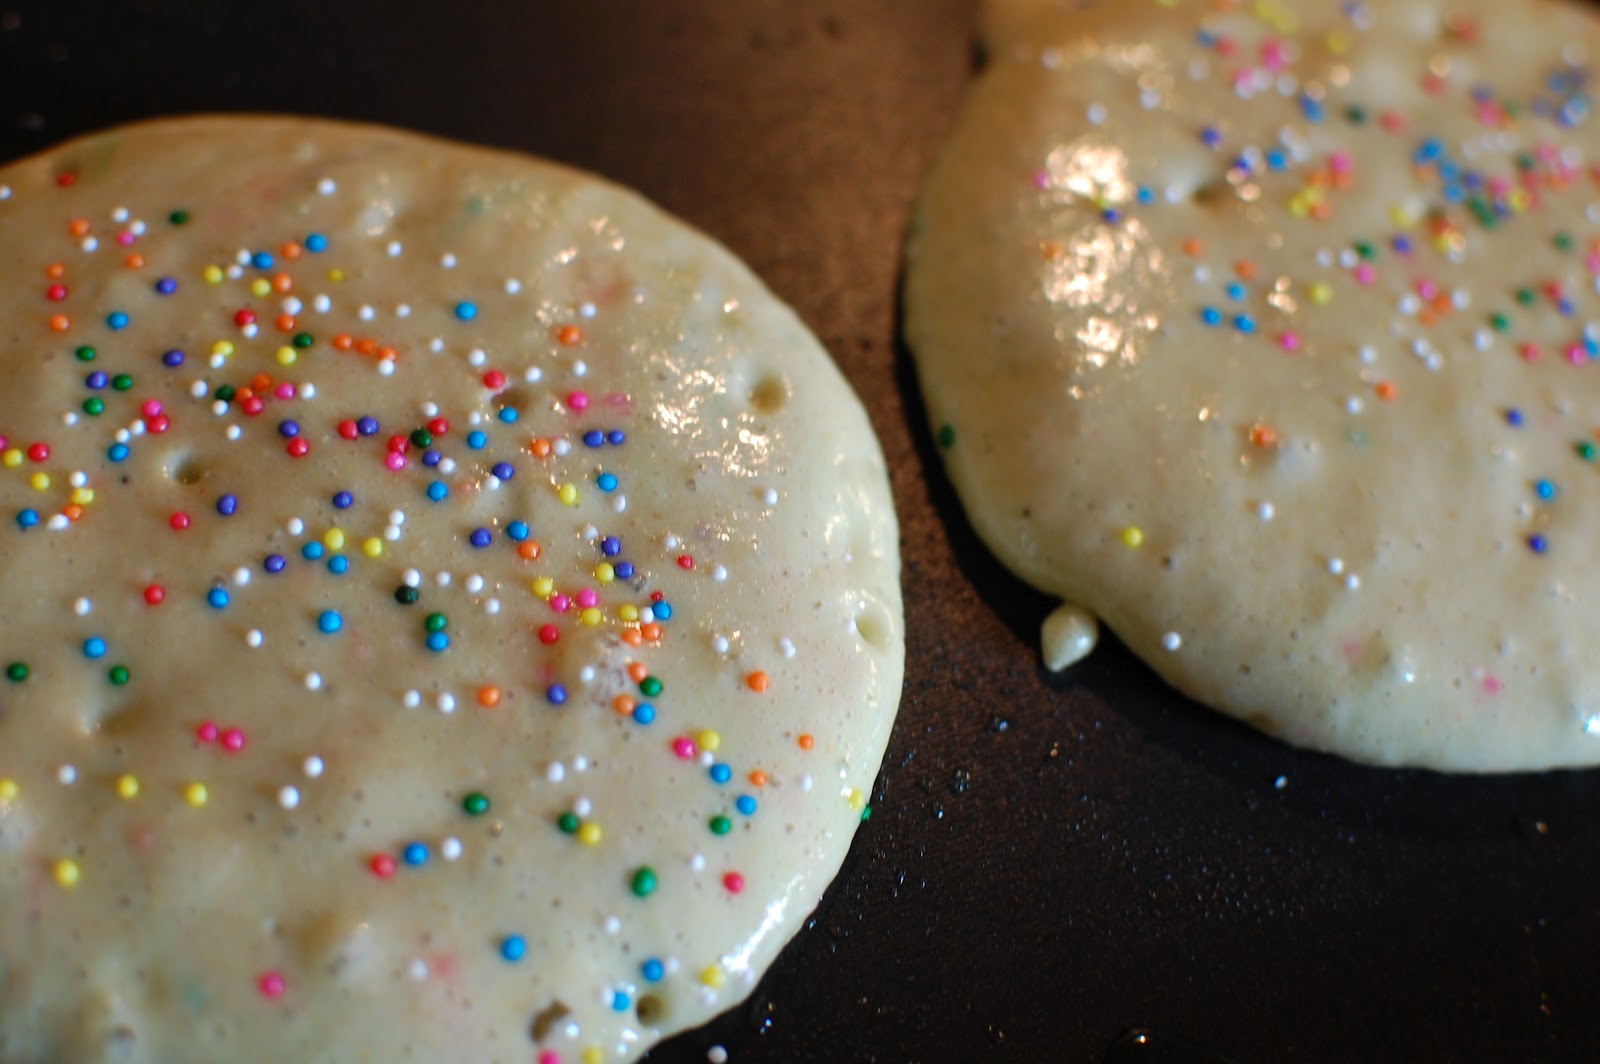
pixel 437 491
pixel 288 429
pixel 504 470
pixel 261 260
pixel 721 773
pixel 1277 159
pixel 27 518
pixel 624 570
pixel 431 457
pixel 1211 316
pixel 343 500
pixel 97 380
pixel 217 597
pixel 1312 108
pixel 1538 544
pixel 513 948
pixel 477 439
pixel 620 1001
pixel 745 804
pixel 466 311
pixel 438 641
pixel 94 647
pixel 594 438
pixel 1211 136
pixel 1244 323
pixel 662 610
pixel 1544 489
pixel 316 243
pixel 274 563
pixel 615 437
pixel 1111 216
pixel 228 505
pixel 1514 418
pixel 172 359
pixel 518 531
pixel 117 452
pixel 311 551
pixel 555 694
pixel 611 546
pixel 338 565
pixel 1145 194
pixel 367 425
pixel 606 482
pixel 653 971
pixel 330 622
pixel 1236 291
pixel 480 538
pixel 508 415
pixel 414 854
pixel 644 713
pixel 166 286
pixel 117 320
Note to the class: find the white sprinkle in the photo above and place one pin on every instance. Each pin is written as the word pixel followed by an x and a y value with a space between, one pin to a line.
pixel 411 578
pixel 513 286
pixel 447 702
pixel 1095 113
pixel 403 310
pixel 1368 354
pixel 292 305
pixel 1149 99
pixel 386 367
pixel 474 583
pixel 477 356
pixel 586 674
pixel 720 573
pixel 671 542
pixel 533 374
pixel 492 606
pixel 770 497
pixel 786 647
pixel 241 576
pixel 561 447
pixel 444 578
pixel 447 260
pixel 288 796
pixel 436 345
pixel 619 503
pixel 81 606
pixel 1352 582
pixel 327 186
pixel 1354 405
pixel 253 638
pixel 1281 782
pixel 411 699
pixel 78 479
pixel 312 766
pixel 366 313
pixel 586 310
pixel 392 533
pixel 296 526
pixel 717 1055
pixel 250 331
pixel 698 862
pixel 90 244
pixel 57 523
pixel 806 782
pixel 582 806
pixel 1172 640
pixel 1335 566
pixel 418 970
pixel 646 615
pixel 556 772
pixel 720 644
pixel 5 192
pixel 233 432
pixel 580 764
pixel 67 774
pixel 450 848
pixel 198 390
pixel 119 214
pixel 313 681
pixel 321 304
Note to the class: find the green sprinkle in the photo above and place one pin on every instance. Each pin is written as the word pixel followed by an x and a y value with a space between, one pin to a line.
pixel 476 803
pixel 866 814
pixel 1563 241
pixel 421 438
pixel 17 671
pixel 179 217
pixel 303 340
pixel 406 595
pixel 1525 161
pixel 1525 296
pixel 226 393
pixel 650 686
pixel 122 382
pixel 85 353
pixel 720 825
pixel 94 406
pixel 436 622
pixel 1365 250
pixel 568 823
pixel 1586 451
pixel 118 675
pixel 644 881
pixel 1500 322
pixel 947 436
pixel 1357 116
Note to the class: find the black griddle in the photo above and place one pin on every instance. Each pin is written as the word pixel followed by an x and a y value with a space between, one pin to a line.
pixel 1051 861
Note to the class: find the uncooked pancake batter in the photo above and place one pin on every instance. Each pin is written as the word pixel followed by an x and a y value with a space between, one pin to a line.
pixel 1267 333
pixel 452 609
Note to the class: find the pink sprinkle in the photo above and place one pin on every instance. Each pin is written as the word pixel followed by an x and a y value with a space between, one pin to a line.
pixel 150 407
pixel 272 985
pixel 560 603
pixel 1427 289
pixel 125 238
pixel 395 461
pixel 1592 263
pixel 684 747
pixel 1339 162
pixel 1366 273
pixel 285 391
pixel 233 740
pixel 549 1056
pixel 1275 54
pixel 578 400
pixel 588 597
pixel 1492 685
pixel 734 882
pixel 1289 341
pixel 206 733
pixel 1577 355
pixel 1529 351
pixel 1041 180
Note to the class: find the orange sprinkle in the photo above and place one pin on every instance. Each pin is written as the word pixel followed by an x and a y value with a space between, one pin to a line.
pixel 623 704
pixel 1263 435
pixel 291 250
pixel 758 778
pixel 343 341
pixel 1386 390
pixel 261 382
pixel 1428 316
pixel 285 323
pixel 757 681
pixel 1322 211
pixel 1245 269
pixel 367 345
pixel 807 740
pixel 632 637
pixel 79 227
pixel 134 261
pixel 282 283
pixel 569 335
pixel 60 322
pixel 651 632
pixel 55 271
pixel 637 672
pixel 388 353
pixel 73 511
pixel 540 448
pixel 489 696
pixel 1051 250
pixel 528 550
pixel 1193 247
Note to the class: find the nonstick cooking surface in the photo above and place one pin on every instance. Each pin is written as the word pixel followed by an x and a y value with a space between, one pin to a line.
pixel 1052 861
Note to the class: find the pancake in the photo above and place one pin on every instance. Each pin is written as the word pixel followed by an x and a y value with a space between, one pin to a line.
pixel 453 606
pixel 1266 334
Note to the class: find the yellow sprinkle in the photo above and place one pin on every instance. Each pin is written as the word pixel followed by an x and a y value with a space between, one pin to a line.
pixel 1322 293
pixel 592 615
pixel 196 794
pixel 336 274
pixel 372 547
pixel 213 274
pixel 713 976
pixel 40 481
pixel 544 587
pixel 333 539
pixel 67 872
pixel 287 356
pixel 708 741
pixel 83 496
pixel 12 457
pixel 1338 42
pixel 590 834
pixel 261 288
pixel 857 800
pixel 568 494
pixel 1518 200
pixel 605 573
pixel 594 1055
pixel 1298 205
pixel 127 786
pixel 628 612
pixel 1402 216
pixel 1132 536
pixel 223 348
pixel 8 789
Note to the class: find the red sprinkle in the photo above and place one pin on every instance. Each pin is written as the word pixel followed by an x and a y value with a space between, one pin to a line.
pixel 244 317
pixel 233 740
pixel 154 594
pixel 38 452
pixel 179 521
pixel 734 882
pixel 272 985
pixel 382 866
pixel 494 379
pixel 298 447
pixel 348 429
pixel 548 634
